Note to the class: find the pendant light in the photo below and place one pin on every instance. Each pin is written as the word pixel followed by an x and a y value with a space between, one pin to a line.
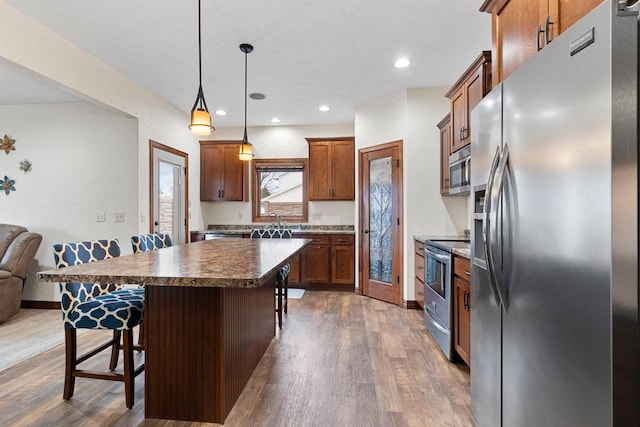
pixel 200 117
pixel 246 153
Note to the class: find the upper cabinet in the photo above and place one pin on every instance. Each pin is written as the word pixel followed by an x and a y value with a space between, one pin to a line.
pixel 445 143
pixel 465 94
pixel 523 27
pixel 223 176
pixel 331 168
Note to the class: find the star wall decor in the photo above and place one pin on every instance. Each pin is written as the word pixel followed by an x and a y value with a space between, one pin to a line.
pixel 7 144
pixel 8 185
pixel 25 166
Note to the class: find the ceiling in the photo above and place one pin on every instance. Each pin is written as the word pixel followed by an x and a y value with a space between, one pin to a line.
pixel 307 52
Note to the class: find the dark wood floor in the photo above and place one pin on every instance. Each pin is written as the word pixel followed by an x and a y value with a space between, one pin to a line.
pixel 340 360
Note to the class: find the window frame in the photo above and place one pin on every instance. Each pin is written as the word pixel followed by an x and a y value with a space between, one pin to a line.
pixel 297 163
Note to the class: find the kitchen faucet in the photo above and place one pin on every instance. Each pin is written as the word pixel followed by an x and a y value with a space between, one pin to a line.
pixel 277 219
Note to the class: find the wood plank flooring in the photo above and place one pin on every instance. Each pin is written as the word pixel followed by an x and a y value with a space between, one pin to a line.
pixel 340 360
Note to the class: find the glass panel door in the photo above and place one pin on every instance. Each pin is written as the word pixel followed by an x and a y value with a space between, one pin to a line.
pixel 380 220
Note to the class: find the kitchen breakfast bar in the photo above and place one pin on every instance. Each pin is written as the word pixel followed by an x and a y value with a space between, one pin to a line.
pixel 209 318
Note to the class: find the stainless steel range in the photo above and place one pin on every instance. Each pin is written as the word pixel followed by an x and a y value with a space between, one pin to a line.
pixel 438 292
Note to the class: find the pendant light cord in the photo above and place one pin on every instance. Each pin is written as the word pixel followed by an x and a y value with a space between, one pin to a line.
pixel 244 139
pixel 199 47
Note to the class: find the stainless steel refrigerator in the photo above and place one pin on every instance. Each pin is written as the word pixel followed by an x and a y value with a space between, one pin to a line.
pixel 554 292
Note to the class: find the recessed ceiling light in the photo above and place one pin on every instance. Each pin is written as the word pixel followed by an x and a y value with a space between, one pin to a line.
pixel 257 96
pixel 275 120
pixel 402 63
pixel 324 108
pixel 221 112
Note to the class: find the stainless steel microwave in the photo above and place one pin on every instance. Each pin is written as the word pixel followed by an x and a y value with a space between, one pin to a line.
pixel 459 171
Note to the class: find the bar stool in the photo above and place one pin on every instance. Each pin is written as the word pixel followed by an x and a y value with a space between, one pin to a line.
pixel 282 276
pixel 150 242
pixel 98 306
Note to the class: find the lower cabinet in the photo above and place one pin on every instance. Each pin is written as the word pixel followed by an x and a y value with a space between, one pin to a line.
pixel 462 308
pixel 329 259
pixel 419 273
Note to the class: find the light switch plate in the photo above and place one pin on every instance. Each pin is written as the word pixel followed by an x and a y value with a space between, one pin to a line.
pixel 119 216
pixel 100 217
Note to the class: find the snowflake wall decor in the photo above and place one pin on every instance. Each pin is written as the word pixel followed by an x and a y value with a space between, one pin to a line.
pixel 25 166
pixel 8 185
pixel 7 144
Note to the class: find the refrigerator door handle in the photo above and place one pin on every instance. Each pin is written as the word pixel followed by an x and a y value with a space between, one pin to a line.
pixel 493 228
pixel 486 236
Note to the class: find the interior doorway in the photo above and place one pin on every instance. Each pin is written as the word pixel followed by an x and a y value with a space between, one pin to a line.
pixel 168 198
pixel 381 226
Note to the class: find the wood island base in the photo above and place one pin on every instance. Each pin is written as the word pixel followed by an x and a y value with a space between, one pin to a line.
pixel 202 345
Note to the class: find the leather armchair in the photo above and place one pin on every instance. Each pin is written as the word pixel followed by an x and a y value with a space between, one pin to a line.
pixel 18 248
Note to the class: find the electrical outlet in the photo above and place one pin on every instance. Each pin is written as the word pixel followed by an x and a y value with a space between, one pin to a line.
pixel 316 215
pixel 100 217
pixel 119 216
pixel 239 215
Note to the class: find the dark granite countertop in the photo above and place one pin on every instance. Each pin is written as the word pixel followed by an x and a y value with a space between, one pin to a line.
pixel 228 263
pixel 295 229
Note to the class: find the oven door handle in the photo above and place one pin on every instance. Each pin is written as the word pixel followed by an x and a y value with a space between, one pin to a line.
pixel 439 257
pixel 435 322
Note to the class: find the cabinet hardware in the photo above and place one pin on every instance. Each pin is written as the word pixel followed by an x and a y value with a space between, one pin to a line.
pixel 547 24
pixel 466 272
pixel 538 32
pixel 342 240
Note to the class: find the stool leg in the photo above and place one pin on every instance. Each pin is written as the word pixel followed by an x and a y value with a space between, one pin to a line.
pixel 141 335
pixel 127 345
pixel 279 308
pixel 115 350
pixel 70 348
pixel 286 293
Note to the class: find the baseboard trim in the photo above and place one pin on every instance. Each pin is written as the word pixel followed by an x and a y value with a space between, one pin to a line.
pixel 411 305
pixel 42 305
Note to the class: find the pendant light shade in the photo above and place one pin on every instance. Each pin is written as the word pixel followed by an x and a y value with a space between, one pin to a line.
pixel 200 117
pixel 246 151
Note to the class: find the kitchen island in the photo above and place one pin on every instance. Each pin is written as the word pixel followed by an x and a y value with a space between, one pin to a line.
pixel 209 318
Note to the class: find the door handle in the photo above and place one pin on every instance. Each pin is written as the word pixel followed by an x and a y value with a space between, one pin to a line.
pixel 495 195
pixel 365 231
pixel 486 235
pixel 547 33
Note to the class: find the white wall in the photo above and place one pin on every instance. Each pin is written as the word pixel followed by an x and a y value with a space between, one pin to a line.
pixel 84 162
pixel 58 62
pixel 411 115
pixel 274 142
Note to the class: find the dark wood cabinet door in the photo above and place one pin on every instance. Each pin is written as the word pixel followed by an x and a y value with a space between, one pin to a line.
pixel 319 171
pixel 233 173
pixel 315 264
pixel 462 316
pixel 565 13
pixel 342 265
pixel 475 91
pixel 515 34
pixel 294 272
pixel 343 170
pixel 210 173
pixel 419 277
pixel 445 144
pixel 458 120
